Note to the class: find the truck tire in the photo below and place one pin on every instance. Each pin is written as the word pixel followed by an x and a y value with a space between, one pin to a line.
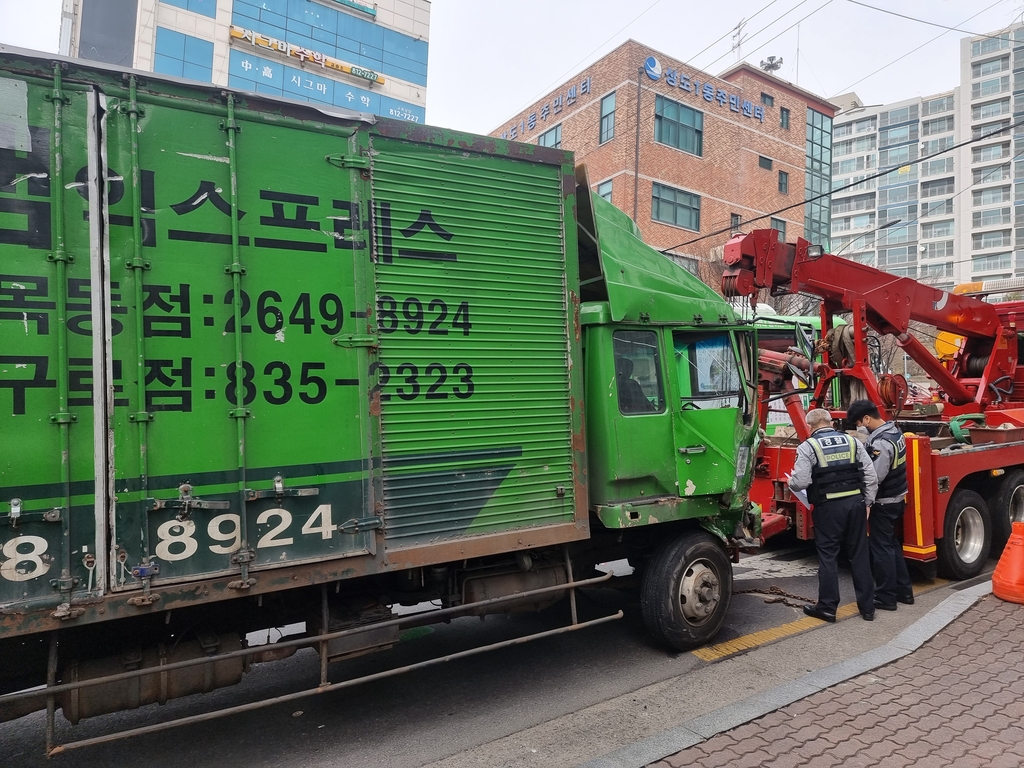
pixel 687 586
pixel 966 536
pixel 1006 507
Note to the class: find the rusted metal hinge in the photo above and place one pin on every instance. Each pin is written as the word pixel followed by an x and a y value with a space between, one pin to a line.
pixel 348 161
pixel 355 340
pixel 358 526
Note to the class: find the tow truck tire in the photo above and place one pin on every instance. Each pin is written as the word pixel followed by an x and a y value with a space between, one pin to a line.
pixel 1006 507
pixel 966 536
pixel 686 589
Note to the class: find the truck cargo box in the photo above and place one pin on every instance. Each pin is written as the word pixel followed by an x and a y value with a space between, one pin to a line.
pixel 248 345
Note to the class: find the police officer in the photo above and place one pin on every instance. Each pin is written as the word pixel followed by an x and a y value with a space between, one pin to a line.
pixel 888 451
pixel 840 480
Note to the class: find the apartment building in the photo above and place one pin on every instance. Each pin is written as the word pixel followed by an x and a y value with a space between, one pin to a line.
pixel 949 218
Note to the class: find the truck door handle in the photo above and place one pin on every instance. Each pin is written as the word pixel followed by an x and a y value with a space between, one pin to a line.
pixel 693 449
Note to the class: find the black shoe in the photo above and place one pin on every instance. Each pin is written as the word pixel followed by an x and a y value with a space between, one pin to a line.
pixel 815 612
pixel 905 600
pixel 868 616
pixel 885 606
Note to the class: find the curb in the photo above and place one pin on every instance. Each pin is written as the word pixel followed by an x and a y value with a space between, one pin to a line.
pixel 666 743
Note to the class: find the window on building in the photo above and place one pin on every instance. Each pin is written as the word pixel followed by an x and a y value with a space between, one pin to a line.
pixel 764 162
pixel 944 104
pixel 991 196
pixel 676 207
pixel 679 126
pixel 897 135
pixel 988 130
pixel 865 125
pixel 897 195
pixel 783 182
pixel 990 87
pixel 551 138
pixel 991 218
pixel 182 55
pixel 818 178
pixel 940 250
pixel 937 145
pixel 936 271
pixel 901 212
pixel 784 117
pixel 992 152
pixel 638 372
pixel 895 256
pixel 607 118
pixel 991 262
pixel 734 221
pixel 897 156
pixel 990 67
pixel 937 209
pixel 938 125
pixel 936 188
pixel 896 116
pixel 780 225
pixel 855 203
pixel 938 229
pixel 768 100
pixel 991 173
pixel 998 239
pixel 604 189
pixel 990 45
pixel 937 167
pixel 990 109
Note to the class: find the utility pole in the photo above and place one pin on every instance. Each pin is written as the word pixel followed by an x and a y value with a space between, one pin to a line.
pixel 737 39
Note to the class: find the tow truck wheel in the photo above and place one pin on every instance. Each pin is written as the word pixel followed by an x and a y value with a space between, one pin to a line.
pixel 1007 507
pixel 966 536
pixel 687 586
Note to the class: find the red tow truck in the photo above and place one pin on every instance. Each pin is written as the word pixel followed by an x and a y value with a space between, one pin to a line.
pixel 965 452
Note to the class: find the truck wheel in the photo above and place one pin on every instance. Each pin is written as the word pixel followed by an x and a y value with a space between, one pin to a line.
pixel 966 536
pixel 687 586
pixel 1007 507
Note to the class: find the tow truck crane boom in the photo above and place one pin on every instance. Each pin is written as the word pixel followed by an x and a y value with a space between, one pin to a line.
pixel 982 372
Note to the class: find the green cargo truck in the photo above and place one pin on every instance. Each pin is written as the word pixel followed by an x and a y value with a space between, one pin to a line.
pixel 263 364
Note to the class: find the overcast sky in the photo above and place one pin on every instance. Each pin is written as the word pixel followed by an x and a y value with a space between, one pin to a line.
pixel 489 59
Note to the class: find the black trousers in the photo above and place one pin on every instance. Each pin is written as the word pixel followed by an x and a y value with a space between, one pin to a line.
pixel 839 522
pixel 892 579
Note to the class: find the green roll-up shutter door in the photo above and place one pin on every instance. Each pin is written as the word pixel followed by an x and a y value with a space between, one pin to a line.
pixel 473 371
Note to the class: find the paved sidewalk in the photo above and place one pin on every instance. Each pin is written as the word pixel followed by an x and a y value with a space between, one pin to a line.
pixel 958 700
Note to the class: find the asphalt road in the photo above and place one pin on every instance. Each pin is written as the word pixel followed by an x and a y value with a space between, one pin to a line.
pixel 431 714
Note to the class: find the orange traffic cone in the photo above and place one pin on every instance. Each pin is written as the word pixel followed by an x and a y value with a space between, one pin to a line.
pixel 1008 577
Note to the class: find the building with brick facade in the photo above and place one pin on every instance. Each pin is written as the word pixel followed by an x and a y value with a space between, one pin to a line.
pixel 695 154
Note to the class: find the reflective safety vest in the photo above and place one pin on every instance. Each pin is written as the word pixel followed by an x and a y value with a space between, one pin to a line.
pixel 895 482
pixel 836 473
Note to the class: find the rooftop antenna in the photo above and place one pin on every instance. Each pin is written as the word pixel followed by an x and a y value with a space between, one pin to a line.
pixel 737 39
pixel 773 64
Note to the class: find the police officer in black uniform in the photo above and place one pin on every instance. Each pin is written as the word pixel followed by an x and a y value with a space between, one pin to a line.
pixel 888 451
pixel 840 480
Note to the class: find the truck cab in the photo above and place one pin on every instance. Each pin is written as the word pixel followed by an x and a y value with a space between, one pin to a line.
pixel 671 418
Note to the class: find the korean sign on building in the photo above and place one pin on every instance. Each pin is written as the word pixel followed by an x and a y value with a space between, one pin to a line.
pixel 676 78
pixel 517 131
pixel 303 54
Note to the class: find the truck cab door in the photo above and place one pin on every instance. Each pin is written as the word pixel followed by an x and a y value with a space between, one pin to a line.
pixel 712 414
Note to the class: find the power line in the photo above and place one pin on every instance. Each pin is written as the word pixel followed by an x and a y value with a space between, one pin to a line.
pixel 915 50
pixel 689 62
pixel 924 21
pixel 798 21
pixel 852 184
